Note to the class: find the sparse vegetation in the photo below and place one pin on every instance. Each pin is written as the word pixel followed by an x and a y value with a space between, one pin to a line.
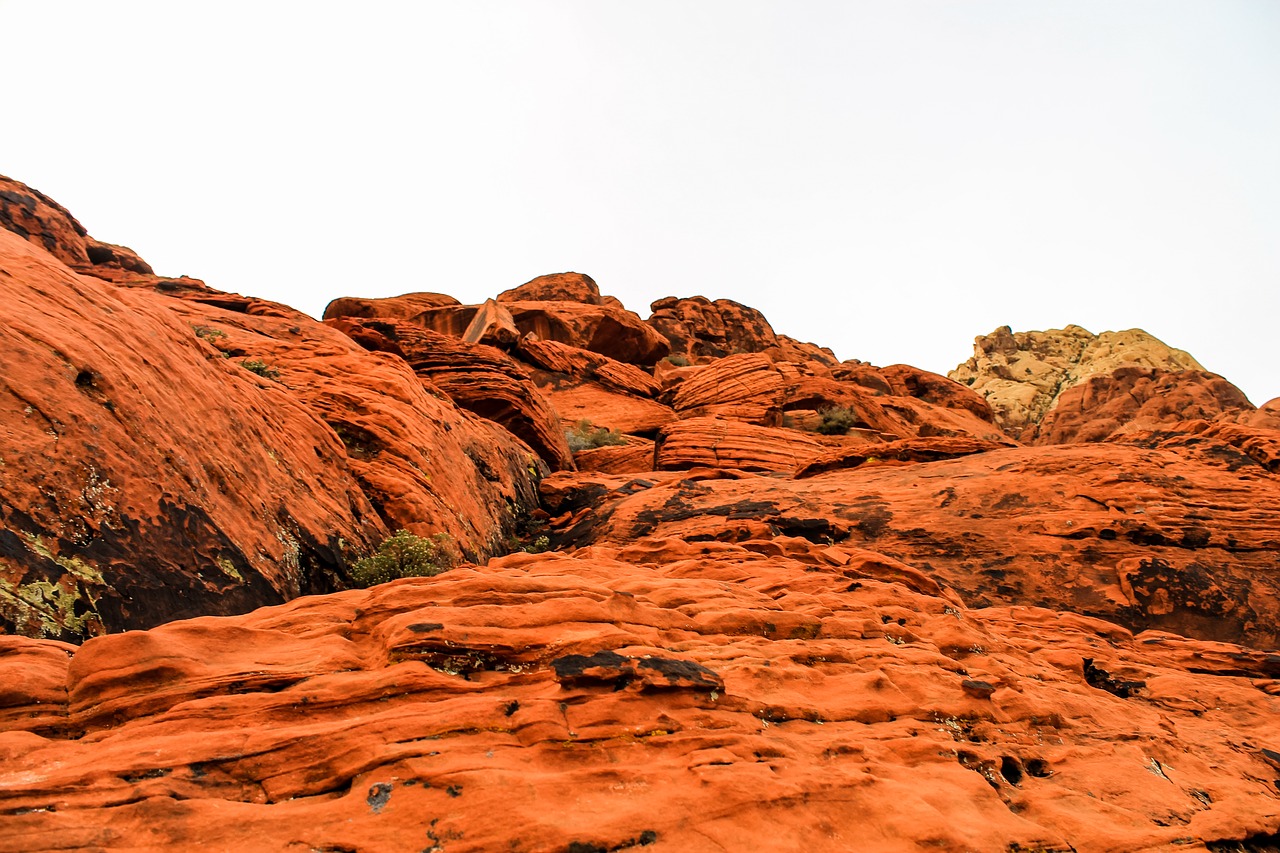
pixel 836 420
pixel 586 436
pixel 209 333
pixel 260 367
pixel 677 359
pixel 405 555
pixel 538 546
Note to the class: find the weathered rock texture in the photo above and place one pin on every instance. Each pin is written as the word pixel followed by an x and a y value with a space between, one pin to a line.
pixel 1071 385
pixel 479 378
pixel 1146 537
pixel 604 328
pixel 169 450
pixel 698 327
pixel 775 695
pixel 803 605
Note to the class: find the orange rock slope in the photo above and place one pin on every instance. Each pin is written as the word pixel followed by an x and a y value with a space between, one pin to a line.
pixel 767 695
pixel 789 603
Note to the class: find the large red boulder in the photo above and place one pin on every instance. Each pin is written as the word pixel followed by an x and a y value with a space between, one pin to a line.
pixel 169 450
pixel 1136 398
pixel 557 287
pixel 479 378
pixel 40 220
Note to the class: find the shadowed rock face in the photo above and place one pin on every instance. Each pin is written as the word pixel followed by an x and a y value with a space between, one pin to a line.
pixel 786 603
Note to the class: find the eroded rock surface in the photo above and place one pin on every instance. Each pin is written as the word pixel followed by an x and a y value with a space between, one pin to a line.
pixel 664 695
pixel 1066 527
pixel 782 603
pixel 170 450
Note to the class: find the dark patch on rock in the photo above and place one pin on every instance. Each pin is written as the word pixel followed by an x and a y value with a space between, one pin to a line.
pixel 1098 677
pixel 378 796
pixel 608 668
pixel 980 689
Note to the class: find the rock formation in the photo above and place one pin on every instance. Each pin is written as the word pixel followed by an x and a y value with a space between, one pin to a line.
pixel 1044 386
pixel 739 597
pixel 174 451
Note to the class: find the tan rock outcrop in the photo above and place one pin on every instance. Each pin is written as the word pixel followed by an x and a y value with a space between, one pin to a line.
pixel 1022 375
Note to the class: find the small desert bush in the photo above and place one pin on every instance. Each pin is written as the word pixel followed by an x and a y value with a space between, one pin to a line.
pixel 260 367
pixel 836 420
pixel 585 436
pixel 405 555
pixel 677 359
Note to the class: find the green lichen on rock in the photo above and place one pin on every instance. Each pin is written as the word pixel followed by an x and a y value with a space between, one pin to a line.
pixel 61 605
pixel 229 569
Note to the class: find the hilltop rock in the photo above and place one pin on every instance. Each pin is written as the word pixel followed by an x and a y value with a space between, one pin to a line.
pixel 702 696
pixel 697 327
pixel 1024 376
pixel 607 329
pixel 557 287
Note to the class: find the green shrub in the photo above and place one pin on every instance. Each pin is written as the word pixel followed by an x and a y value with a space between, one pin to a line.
pixel 836 420
pixel 538 546
pixel 677 359
pixel 584 436
pixel 260 367
pixel 405 555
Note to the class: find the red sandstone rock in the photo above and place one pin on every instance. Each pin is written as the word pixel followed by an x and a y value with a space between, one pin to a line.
pixel 604 329
pixel 609 331
pixel 39 219
pixel 622 413
pixel 136 412
pixel 1043 526
pixel 557 287
pixel 699 327
pixel 494 326
pixel 555 357
pixel 1136 398
pixel 699 696
pixel 480 379
pixel 719 443
pixel 728 660
pixel 745 387
pixel 904 452
pixel 634 457
pixel 33 685
pixel 907 381
pixel 407 307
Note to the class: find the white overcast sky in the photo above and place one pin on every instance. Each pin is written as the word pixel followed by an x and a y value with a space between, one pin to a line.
pixel 889 179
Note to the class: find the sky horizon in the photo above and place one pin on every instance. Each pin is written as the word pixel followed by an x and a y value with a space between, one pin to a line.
pixel 889 180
